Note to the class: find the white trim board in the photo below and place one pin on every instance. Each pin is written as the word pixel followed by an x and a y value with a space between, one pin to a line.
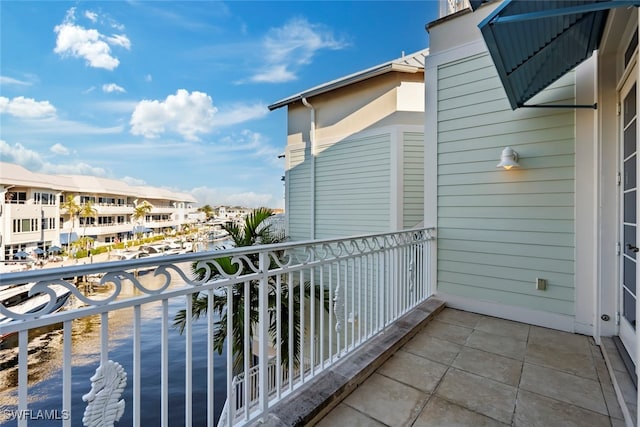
pixel 518 314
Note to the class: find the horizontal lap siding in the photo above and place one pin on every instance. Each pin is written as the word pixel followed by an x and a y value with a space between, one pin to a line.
pixel 352 187
pixel 500 230
pixel 413 182
pixel 299 203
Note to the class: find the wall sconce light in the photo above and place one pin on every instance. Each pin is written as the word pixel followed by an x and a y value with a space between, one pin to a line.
pixel 508 159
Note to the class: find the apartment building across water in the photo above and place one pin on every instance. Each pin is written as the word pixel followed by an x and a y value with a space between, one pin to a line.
pixel 32 213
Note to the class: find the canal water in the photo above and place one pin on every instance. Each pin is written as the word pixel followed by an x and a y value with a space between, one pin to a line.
pixel 45 362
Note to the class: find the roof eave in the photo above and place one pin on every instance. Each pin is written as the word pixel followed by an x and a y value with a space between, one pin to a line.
pixel 383 69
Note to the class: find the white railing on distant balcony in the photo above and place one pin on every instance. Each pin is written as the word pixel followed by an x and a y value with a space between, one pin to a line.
pixel 316 300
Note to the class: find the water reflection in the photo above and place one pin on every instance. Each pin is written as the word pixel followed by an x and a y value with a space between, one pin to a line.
pixel 45 360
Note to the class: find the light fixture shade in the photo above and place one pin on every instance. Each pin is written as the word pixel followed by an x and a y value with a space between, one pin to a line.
pixel 508 159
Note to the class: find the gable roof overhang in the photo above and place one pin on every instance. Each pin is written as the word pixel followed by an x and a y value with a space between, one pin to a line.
pixel 534 43
pixel 413 63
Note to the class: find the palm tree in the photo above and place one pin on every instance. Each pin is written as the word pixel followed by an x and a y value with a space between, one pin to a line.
pixel 254 231
pixel 87 211
pixel 141 211
pixel 84 243
pixel 70 205
pixel 207 210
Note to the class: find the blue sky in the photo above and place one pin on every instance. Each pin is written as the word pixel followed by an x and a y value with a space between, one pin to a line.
pixel 175 94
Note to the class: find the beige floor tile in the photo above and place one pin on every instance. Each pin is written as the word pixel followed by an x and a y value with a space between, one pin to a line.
pixel 533 410
pixel 565 387
pixel 433 348
pixel 387 401
pixel 479 394
pixel 343 415
pixel 447 332
pixel 554 339
pixel 506 328
pixel 490 365
pixel 416 371
pixel 497 344
pixel 576 363
pixel 459 317
pixel 440 413
pixel 562 351
pixel 464 369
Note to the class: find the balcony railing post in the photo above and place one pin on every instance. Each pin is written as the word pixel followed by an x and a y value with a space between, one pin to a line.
pixel 430 264
pixel 263 329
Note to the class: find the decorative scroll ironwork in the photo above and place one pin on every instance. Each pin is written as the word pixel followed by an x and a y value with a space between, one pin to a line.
pixel 284 257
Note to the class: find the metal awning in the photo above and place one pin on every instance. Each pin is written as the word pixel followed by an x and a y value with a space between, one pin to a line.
pixel 477 3
pixel 534 43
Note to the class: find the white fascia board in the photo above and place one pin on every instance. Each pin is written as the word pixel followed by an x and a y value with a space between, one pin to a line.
pixel 346 81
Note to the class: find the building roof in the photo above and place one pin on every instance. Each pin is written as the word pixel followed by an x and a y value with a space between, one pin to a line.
pixel 412 63
pixel 12 174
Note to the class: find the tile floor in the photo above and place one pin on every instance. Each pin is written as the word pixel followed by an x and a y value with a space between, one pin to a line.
pixel 465 369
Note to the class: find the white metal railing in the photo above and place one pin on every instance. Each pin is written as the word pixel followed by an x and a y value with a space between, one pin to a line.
pixel 309 304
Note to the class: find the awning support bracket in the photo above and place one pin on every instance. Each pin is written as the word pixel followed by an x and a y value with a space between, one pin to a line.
pixel 591 106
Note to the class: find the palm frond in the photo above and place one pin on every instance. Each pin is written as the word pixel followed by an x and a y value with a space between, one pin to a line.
pixel 235 300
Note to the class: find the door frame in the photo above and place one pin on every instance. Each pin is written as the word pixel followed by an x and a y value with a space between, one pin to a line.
pixel 626 332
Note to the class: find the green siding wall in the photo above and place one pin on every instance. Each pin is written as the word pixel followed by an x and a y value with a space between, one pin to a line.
pixel 299 206
pixel 352 187
pixel 499 230
pixel 413 182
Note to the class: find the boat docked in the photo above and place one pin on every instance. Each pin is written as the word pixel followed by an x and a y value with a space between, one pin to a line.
pixel 127 255
pixel 17 299
pixel 159 249
pixel 217 235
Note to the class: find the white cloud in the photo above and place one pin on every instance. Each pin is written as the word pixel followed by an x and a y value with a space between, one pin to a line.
pixel 253 142
pixel 120 40
pixel 20 155
pixel 75 168
pixel 26 108
pixel 112 87
pixel 240 113
pixel 148 78
pixel 133 181
pixel 291 46
pixel 274 74
pixel 59 149
pixel 54 126
pixel 79 42
pixel 225 196
pixel 33 161
pixel 6 81
pixel 188 114
pixel 91 16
